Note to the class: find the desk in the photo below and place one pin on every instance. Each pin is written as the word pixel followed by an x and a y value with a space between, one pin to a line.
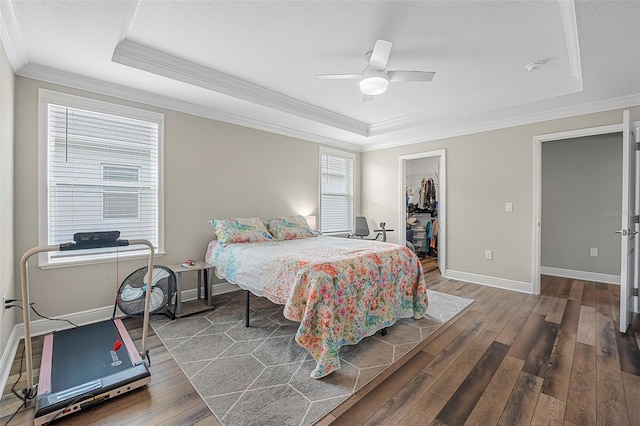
pixel 203 269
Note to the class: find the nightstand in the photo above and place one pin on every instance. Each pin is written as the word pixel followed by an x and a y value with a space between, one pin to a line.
pixel 202 268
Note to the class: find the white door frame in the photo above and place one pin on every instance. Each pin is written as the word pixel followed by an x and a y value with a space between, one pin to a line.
pixel 537 186
pixel 442 203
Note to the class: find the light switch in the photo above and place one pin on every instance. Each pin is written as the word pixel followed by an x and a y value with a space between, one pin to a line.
pixel 508 207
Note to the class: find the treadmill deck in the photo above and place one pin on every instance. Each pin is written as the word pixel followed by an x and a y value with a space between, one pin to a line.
pixel 80 368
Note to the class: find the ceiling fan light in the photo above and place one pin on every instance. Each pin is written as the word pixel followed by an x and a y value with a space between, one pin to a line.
pixel 373 85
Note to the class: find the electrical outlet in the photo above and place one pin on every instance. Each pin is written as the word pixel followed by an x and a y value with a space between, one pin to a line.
pixel 593 252
pixel 488 254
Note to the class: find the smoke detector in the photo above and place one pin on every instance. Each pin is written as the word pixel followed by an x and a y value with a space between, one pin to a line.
pixel 532 66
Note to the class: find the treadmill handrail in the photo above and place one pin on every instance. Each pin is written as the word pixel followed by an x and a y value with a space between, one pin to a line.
pixel 26 318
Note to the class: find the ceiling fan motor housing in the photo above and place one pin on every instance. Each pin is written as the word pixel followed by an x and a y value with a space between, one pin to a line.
pixel 373 81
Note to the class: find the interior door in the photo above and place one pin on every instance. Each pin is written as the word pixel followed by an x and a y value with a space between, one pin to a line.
pixel 628 230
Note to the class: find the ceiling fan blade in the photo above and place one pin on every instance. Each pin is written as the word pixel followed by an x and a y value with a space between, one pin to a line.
pixel 367 98
pixel 380 54
pixel 410 75
pixel 338 76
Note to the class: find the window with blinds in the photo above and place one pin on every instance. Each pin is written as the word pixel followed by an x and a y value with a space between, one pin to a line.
pixel 337 191
pixel 103 174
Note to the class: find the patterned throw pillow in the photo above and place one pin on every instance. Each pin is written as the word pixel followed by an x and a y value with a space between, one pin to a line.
pixel 241 230
pixel 289 228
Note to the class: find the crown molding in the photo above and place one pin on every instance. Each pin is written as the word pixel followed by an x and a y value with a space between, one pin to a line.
pixel 419 119
pixel 84 83
pixel 11 34
pixel 565 112
pixel 570 25
pixel 75 81
pixel 154 61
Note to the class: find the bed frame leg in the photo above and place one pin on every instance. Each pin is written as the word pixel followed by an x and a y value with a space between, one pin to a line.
pixel 383 331
pixel 246 310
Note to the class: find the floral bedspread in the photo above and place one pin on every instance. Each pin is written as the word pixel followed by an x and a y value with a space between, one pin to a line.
pixel 340 290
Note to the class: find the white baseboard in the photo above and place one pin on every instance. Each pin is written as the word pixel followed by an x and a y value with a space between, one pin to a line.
pixel 8 355
pixel 521 286
pixel 44 326
pixel 580 275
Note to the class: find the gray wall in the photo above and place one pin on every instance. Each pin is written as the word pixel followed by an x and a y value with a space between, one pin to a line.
pixel 581 193
pixel 7 267
pixel 212 169
pixel 484 170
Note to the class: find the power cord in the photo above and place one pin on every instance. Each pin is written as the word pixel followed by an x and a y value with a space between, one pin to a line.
pixel 51 319
pixel 24 404
pixel 26 393
pixel 36 312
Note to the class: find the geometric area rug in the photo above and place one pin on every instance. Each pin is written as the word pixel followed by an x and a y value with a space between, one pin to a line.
pixel 260 376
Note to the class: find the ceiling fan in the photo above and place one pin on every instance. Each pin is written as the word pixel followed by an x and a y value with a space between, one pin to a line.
pixel 375 78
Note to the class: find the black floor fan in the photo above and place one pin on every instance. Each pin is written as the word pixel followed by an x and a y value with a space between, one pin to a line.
pixel 132 292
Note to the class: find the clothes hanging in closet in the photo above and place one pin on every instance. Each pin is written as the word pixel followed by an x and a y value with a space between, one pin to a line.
pixel 433 242
pixel 423 194
pixel 427 197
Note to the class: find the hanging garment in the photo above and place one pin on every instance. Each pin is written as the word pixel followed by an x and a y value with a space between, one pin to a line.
pixel 434 234
pixel 422 199
pixel 431 195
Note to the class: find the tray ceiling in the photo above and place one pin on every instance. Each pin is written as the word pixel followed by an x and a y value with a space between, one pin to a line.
pixel 253 62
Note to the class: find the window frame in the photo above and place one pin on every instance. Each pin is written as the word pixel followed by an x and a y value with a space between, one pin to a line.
pixel 343 154
pixel 46 97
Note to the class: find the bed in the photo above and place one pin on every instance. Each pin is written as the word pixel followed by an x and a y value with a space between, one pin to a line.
pixel 340 290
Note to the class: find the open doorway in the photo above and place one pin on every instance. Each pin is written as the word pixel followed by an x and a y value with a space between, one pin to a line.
pixel 423 207
pixel 626 214
pixel 591 253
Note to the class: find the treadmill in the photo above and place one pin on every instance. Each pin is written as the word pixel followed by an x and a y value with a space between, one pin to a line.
pixel 88 364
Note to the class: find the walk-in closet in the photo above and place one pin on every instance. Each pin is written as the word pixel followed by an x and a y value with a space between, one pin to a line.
pixel 422 198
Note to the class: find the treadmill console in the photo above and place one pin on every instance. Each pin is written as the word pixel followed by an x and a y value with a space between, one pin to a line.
pixel 99 239
pixel 95 237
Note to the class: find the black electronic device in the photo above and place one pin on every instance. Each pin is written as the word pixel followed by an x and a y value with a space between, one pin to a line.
pixel 89 240
pixel 100 236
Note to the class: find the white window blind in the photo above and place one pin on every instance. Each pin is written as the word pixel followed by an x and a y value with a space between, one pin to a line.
pixel 103 175
pixel 337 193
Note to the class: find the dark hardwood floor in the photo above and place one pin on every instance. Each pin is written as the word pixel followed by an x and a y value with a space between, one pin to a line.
pixel 516 359
pixel 509 359
pixel 429 264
